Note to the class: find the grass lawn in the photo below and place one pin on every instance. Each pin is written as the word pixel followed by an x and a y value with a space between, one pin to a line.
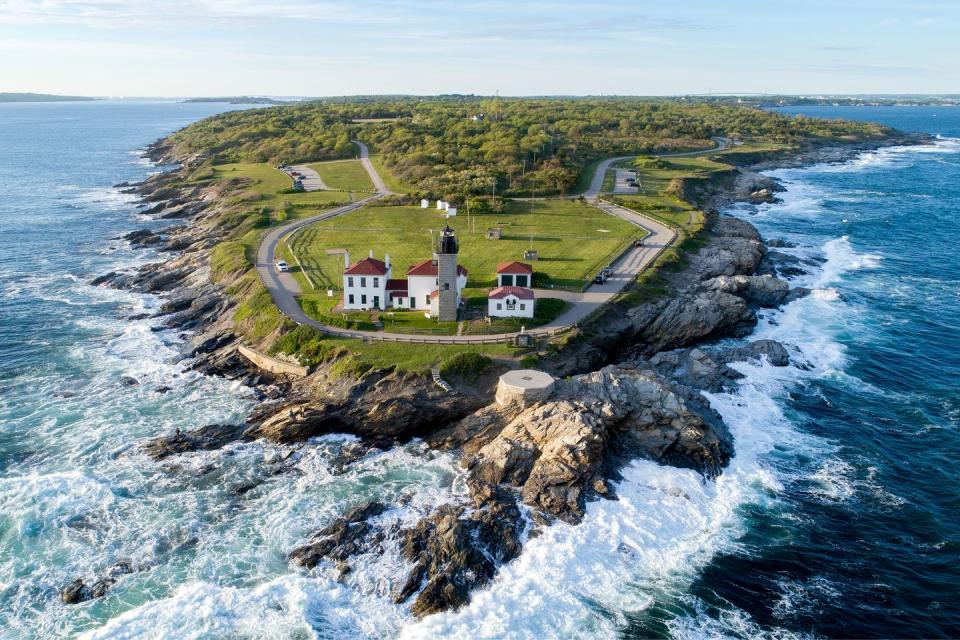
pixel 574 240
pixel 344 175
pixel 413 357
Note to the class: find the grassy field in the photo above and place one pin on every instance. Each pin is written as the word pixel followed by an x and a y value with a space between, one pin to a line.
pixel 574 240
pixel 344 175
pixel 266 182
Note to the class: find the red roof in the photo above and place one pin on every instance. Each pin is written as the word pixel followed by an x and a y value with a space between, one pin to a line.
pixel 429 268
pixel 514 267
pixel 523 293
pixel 394 284
pixel 367 267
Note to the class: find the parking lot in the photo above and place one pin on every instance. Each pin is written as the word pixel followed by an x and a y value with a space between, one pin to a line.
pixel 623 182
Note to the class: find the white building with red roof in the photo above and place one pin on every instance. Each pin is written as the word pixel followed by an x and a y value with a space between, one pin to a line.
pixel 514 273
pixel 513 297
pixel 511 302
pixel 368 284
pixel 365 283
pixel 423 280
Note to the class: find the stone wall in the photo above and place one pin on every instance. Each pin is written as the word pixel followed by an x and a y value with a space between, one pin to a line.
pixel 273 365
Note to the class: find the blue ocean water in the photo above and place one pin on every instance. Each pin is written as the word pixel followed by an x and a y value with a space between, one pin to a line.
pixel 837 517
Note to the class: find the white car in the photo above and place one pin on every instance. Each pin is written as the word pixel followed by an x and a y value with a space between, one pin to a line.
pixel 282 266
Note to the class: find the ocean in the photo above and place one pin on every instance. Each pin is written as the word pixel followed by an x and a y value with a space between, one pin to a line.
pixel 837 517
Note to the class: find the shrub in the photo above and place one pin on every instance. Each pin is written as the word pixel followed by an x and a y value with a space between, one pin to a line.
pixel 465 364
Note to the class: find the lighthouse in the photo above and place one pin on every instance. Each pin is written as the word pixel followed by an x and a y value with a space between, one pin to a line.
pixel 448 293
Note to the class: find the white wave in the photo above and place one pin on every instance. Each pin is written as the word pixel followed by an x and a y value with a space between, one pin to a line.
pixel 106 197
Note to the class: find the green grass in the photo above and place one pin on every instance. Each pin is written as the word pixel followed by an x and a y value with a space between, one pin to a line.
pixel 574 240
pixel 263 184
pixel 412 357
pixel 392 181
pixel 344 175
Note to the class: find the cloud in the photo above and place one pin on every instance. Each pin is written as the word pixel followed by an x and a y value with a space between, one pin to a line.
pixel 147 12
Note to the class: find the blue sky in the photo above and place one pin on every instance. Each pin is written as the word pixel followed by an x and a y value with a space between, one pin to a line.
pixel 336 47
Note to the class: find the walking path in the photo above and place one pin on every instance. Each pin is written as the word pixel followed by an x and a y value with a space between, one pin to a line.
pixel 284 288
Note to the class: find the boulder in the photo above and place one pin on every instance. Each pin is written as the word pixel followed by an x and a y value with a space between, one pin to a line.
pixel 206 438
pixel 689 318
pixel 764 290
pixel 771 350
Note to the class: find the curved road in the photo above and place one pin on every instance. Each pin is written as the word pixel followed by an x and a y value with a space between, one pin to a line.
pixel 284 288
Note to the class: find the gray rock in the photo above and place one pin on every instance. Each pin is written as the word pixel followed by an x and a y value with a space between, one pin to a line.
pixel 764 290
pixel 774 352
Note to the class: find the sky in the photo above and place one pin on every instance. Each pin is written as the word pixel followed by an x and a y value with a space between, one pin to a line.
pixel 182 48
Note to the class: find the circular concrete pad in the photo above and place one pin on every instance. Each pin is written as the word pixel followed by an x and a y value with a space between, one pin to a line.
pixel 524 387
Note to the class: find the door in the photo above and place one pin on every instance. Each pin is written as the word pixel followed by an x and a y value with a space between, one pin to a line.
pixel 376 302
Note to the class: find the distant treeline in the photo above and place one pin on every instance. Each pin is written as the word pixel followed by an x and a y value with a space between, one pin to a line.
pixel 41 97
pixel 461 145
pixel 239 100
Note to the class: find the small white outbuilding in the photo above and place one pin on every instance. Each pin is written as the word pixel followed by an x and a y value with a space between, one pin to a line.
pixel 511 302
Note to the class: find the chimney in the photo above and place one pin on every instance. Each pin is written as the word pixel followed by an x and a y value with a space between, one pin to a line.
pixel 386 260
pixel 346 259
pixel 371 253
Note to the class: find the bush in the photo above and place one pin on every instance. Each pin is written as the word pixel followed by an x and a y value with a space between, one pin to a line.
pixel 465 365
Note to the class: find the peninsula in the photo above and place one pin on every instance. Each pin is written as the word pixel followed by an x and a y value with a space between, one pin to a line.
pixel 42 97
pixel 605 211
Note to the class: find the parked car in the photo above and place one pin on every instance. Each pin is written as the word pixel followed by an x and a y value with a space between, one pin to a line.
pixel 606 272
pixel 282 266
pixel 600 279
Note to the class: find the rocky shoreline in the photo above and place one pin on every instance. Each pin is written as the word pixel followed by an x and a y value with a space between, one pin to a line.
pixel 631 383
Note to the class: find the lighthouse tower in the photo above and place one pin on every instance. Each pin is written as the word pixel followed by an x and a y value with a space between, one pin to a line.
pixel 447 292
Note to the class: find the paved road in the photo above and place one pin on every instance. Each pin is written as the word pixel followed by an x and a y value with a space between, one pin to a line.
pixel 283 287
pixel 596 185
pixel 378 183
pixel 311 179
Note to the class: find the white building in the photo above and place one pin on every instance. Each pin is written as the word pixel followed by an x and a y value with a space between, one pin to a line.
pixel 365 283
pixel 368 285
pixel 513 297
pixel 424 204
pixel 514 273
pixel 423 280
pixel 510 302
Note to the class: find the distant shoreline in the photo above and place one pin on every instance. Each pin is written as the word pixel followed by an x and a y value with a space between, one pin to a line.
pixel 43 97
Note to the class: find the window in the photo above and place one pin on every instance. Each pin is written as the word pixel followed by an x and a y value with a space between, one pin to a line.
pixel 506 280
pixel 350 281
pixel 522 306
pixel 363 282
pixel 427 300
pixel 499 307
pixel 511 304
pixel 350 299
pixel 376 283
pixel 522 281
pixel 446 286
pixel 363 299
